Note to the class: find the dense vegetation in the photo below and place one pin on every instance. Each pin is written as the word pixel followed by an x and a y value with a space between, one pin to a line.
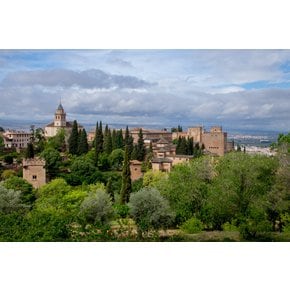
pixel 91 197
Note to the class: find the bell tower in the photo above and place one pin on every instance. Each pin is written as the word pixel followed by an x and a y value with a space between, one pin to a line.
pixel 60 117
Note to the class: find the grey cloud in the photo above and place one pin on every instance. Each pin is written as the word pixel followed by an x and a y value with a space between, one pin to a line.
pixel 120 62
pixel 93 78
pixel 268 108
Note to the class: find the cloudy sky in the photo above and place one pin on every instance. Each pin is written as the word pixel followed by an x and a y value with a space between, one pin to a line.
pixel 247 89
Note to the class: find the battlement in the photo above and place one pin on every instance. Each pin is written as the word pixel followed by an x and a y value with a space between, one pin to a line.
pixel 216 129
pixel 33 162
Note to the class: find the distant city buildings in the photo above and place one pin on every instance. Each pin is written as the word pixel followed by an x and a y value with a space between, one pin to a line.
pixel 16 139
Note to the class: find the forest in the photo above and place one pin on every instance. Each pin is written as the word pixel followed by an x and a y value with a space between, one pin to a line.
pixel 90 195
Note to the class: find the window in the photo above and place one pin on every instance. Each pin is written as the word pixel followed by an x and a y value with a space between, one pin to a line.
pixel 34 177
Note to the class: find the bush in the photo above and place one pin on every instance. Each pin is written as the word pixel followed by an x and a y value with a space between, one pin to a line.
pixel 97 208
pixel 27 194
pixel 229 227
pixel 285 218
pixel 150 210
pixel 121 210
pixel 192 226
pixel 8 159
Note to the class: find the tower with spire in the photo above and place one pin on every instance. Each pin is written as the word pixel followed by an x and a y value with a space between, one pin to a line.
pixel 58 123
pixel 60 116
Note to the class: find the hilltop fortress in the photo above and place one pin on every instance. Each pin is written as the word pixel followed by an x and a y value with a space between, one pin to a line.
pixel 215 141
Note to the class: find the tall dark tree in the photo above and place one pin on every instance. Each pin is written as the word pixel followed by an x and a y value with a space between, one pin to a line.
pixel 128 142
pixel 126 179
pixel 127 135
pixel 190 146
pixel 141 150
pixel 99 139
pixel 29 151
pixel 73 140
pixel 107 141
pixel 83 146
pixel 183 146
pixel 134 153
pixel 178 145
pixel 109 189
pixel 119 139
pixel 114 140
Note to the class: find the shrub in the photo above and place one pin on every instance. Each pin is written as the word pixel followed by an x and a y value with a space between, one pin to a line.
pixel 121 210
pixel 150 210
pixel 229 227
pixel 192 226
pixel 97 208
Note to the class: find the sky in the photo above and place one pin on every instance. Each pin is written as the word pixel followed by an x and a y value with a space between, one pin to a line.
pixel 237 89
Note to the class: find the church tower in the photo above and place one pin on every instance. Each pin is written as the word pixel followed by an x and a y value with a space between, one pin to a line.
pixel 60 117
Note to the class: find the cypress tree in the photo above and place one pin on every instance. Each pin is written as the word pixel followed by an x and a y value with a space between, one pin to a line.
pixel 129 142
pixel 99 139
pixel 29 151
pixel 178 145
pixel 119 139
pixel 141 150
pixel 190 146
pixel 126 179
pixel 183 146
pixel 109 189
pixel 134 152
pixel 130 146
pixel 114 140
pixel 83 147
pixel 127 135
pixel 107 141
pixel 73 139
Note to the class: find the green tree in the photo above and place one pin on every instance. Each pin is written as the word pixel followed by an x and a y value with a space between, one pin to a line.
pixel 99 140
pixel 97 208
pixel 241 181
pixel 128 141
pixel 74 139
pixel 187 187
pixel 126 179
pixel 27 195
pixel 47 225
pixel 10 200
pixel 278 199
pixel 83 146
pixel 104 162
pixel 52 162
pixel 7 173
pixel 29 151
pixel 109 189
pixel 119 139
pixel 83 170
pixel 190 146
pixel 150 210
pixel 114 140
pixel 1 144
pixel 134 154
pixel 39 140
pixel 116 159
pixel 108 141
pixel 141 150
pixel 57 142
